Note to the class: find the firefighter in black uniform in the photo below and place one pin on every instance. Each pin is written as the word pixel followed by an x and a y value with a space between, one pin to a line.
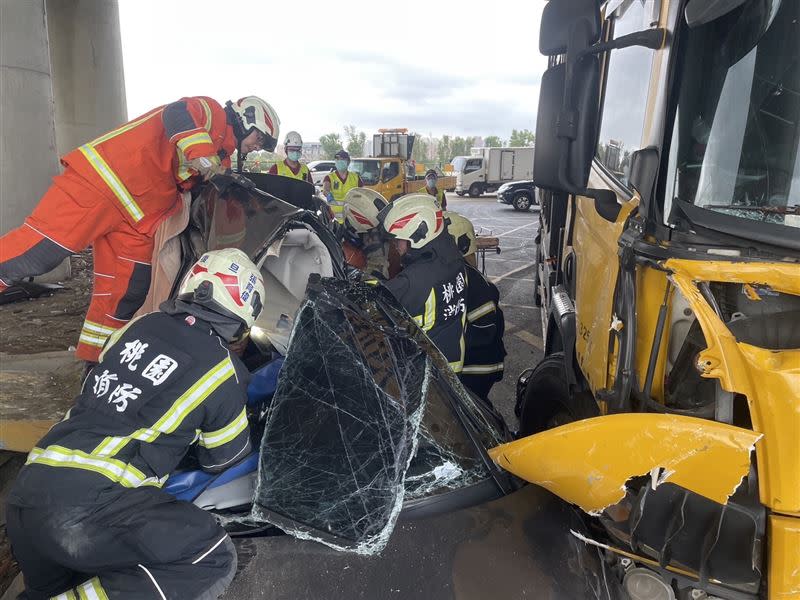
pixel 86 517
pixel 483 336
pixel 432 286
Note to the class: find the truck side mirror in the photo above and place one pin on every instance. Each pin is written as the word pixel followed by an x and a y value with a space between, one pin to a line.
pixel 565 139
pixel 566 123
pixel 567 119
pixel 562 19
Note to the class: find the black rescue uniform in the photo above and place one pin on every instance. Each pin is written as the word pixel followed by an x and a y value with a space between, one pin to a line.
pixel 483 336
pixel 88 503
pixel 432 287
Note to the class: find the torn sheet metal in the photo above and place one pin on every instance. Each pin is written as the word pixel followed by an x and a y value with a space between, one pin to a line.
pixel 588 462
pixel 360 389
pixel 768 378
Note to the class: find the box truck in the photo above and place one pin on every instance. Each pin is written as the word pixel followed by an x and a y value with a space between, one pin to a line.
pixel 492 168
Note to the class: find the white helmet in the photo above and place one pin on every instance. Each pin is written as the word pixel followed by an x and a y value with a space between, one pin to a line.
pixel 415 217
pixel 293 140
pixel 361 208
pixel 226 282
pixel 255 113
pixel 462 231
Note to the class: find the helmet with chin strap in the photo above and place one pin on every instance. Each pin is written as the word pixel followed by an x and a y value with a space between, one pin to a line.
pixel 415 217
pixel 226 282
pixel 462 231
pixel 361 208
pixel 293 140
pixel 251 112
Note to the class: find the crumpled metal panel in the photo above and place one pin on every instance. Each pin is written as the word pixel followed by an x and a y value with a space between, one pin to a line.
pixel 360 390
pixel 768 378
pixel 588 462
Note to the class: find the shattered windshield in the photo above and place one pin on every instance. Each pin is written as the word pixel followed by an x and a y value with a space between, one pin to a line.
pixel 366 415
pixel 734 146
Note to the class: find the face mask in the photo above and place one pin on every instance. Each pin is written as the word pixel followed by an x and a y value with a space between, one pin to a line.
pixel 341 165
pixel 431 182
pixel 293 155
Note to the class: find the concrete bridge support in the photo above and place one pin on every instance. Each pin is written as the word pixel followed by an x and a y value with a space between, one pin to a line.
pixel 62 84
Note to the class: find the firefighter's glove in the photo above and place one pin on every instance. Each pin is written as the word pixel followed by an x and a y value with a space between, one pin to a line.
pixel 207 166
pixel 223 181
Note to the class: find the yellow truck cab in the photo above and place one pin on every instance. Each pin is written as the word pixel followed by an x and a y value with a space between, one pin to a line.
pixel 389 171
pixel 667 405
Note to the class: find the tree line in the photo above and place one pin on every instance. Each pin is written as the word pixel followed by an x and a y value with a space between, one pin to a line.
pixel 427 149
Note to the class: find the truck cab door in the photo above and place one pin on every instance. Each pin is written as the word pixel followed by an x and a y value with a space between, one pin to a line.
pixel 391 179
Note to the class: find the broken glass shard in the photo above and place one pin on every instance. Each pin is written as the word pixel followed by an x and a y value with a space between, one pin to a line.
pixel 366 414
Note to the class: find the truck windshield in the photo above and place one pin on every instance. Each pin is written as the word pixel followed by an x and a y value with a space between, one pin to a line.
pixel 369 170
pixel 734 147
pixel 458 163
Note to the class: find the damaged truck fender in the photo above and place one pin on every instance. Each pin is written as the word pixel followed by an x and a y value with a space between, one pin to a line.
pixel 588 462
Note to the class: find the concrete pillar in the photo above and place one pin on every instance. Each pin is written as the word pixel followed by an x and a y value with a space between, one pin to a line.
pixel 28 158
pixel 88 79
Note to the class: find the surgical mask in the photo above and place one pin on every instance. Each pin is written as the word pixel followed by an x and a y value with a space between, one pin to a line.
pixel 341 165
pixel 431 181
pixel 293 155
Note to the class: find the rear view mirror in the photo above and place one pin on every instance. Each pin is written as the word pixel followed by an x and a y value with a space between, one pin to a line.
pixel 562 20
pixel 565 139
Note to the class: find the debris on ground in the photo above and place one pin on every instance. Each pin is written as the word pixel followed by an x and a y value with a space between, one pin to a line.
pixel 49 323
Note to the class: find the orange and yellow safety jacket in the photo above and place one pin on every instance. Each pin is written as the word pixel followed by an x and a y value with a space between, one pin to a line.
pixel 140 165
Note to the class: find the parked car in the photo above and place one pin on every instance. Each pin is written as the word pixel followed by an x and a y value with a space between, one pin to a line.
pixel 320 168
pixel 519 194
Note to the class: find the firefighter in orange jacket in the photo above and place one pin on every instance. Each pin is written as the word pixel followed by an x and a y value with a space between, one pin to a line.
pixel 117 189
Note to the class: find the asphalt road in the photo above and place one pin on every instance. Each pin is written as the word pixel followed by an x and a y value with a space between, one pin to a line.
pixel 512 272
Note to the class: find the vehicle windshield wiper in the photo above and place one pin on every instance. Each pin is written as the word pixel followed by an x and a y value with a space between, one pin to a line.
pixel 780 210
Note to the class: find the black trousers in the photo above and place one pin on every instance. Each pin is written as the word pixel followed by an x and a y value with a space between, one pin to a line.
pixel 144 544
pixel 480 385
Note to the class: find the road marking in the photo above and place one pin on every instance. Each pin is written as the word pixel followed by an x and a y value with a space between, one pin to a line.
pixel 515 229
pixel 530 339
pixel 513 272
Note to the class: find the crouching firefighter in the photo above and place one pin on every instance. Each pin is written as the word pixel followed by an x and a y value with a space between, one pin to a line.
pixel 432 286
pixel 116 190
pixel 364 246
pixel 87 502
pixel 483 335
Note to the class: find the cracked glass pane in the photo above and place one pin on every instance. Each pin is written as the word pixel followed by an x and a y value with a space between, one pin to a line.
pixel 366 415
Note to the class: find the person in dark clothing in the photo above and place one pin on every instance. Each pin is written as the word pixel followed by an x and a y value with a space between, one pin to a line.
pixel 432 285
pixel 86 516
pixel 483 335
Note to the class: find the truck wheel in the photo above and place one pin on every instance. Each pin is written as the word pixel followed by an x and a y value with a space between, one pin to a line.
pixel 460 194
pixel 522 201
pixel 475 190
pixel 546 402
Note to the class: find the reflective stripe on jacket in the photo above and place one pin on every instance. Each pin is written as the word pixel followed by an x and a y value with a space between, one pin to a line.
pixel 483 335
pixel 162 385
pixel 140 164
pixel 339 190
pixel 285 170
pixel 432 287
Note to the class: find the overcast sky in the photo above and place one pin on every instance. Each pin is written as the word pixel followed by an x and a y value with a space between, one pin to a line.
pixel 433 67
